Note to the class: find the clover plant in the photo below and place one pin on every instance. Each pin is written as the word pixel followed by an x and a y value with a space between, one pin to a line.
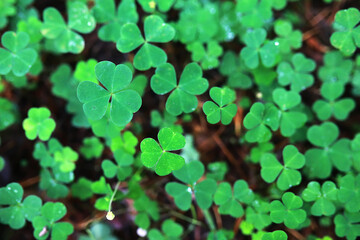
pixel 149 55
pixel 180 119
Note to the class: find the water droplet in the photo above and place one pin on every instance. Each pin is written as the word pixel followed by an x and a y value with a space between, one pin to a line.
pixel 276 43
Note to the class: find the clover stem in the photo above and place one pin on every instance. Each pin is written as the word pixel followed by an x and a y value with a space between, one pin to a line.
pixel 209 220
pixel 110 215
pixel 185 218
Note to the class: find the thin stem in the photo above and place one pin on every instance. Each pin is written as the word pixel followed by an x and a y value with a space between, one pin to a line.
pixel 185 218
pixel 209 220
pixel 110 215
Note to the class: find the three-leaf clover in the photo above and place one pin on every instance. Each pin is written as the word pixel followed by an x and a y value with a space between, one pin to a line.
pixel 105 12
pixel 323 197
pixel 114 79
pixel 349 193
pixel 92 148
pixel 290 120
pixel 224 110
pixel 347 35
pixel 39 124
pixel 257 47
pixel 259 119
pixel 276 235
pixel 339 108
pixel 123 168
pixel 208 57
pixel 234 68
pixel 258 214
pixel 47 223
pixel 297 74
pixel 320 161
pixel 63 35
pixel 158 156
pixel 190 173
pixel 171 230
pixel 288 211
pixel 146 209
pixel 347 225
pixel 183 98
pixel 149 55
pixel 16 56
pixel 14 211
pixel 336 68
pixel 229 200
pixel 288 38
pixel 287 175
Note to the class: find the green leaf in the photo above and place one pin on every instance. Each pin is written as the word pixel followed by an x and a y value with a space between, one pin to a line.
pixel 148 55
pixel 159 157
pixel 96 98
pixel 347 35
pixel 288 211
pixel 61 34
pixel 297 73
pixel 323 198
pixel 38 124
pixel 349 192
pixel 276 235
pixel 50 214
pixel 92 148
pixel 346 225
pixel 225 111
pixel 16 57
pixel 323 135
pixel 183 98
pixel 82 189
pixel 13 211
pixel 287 173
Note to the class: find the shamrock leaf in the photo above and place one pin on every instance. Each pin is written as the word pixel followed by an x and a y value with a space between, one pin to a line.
pixel 123 168
pixel 7 9
pixel 348 193
pixel 217 170
pixel 54 183
pixel 254 14
pixel 66 158
pixel 347 225
pixel 225 110
pixel 14 211
pixel 208 57
pixel 323 198
pixel 39 124
pixel 63 35
pixel 288 211
pixel 288 175
pixel 347 35
pixel 8 113
pixel 256 48
pixel 123 102
pixel 16 57
pixel 171 230
pixel 276 235
pixel 82 189
pixel 158 156
pixel 340 109
pixel 92 148
pixel 233 67
pixel 47 223
pixel 289 120
pixel 257 213
pixel 190 173
pixel 183 98
pixel 229 200
pixel 336 68
pixel 146 209
pixel 156 31
pixel 296 73
pixel 288 39
pixel 104 11
pixel 257 152
pixel 85 71
pixel 259 119
pixel 320 161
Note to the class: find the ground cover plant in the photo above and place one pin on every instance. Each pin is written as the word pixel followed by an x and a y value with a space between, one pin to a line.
pixel 180 119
